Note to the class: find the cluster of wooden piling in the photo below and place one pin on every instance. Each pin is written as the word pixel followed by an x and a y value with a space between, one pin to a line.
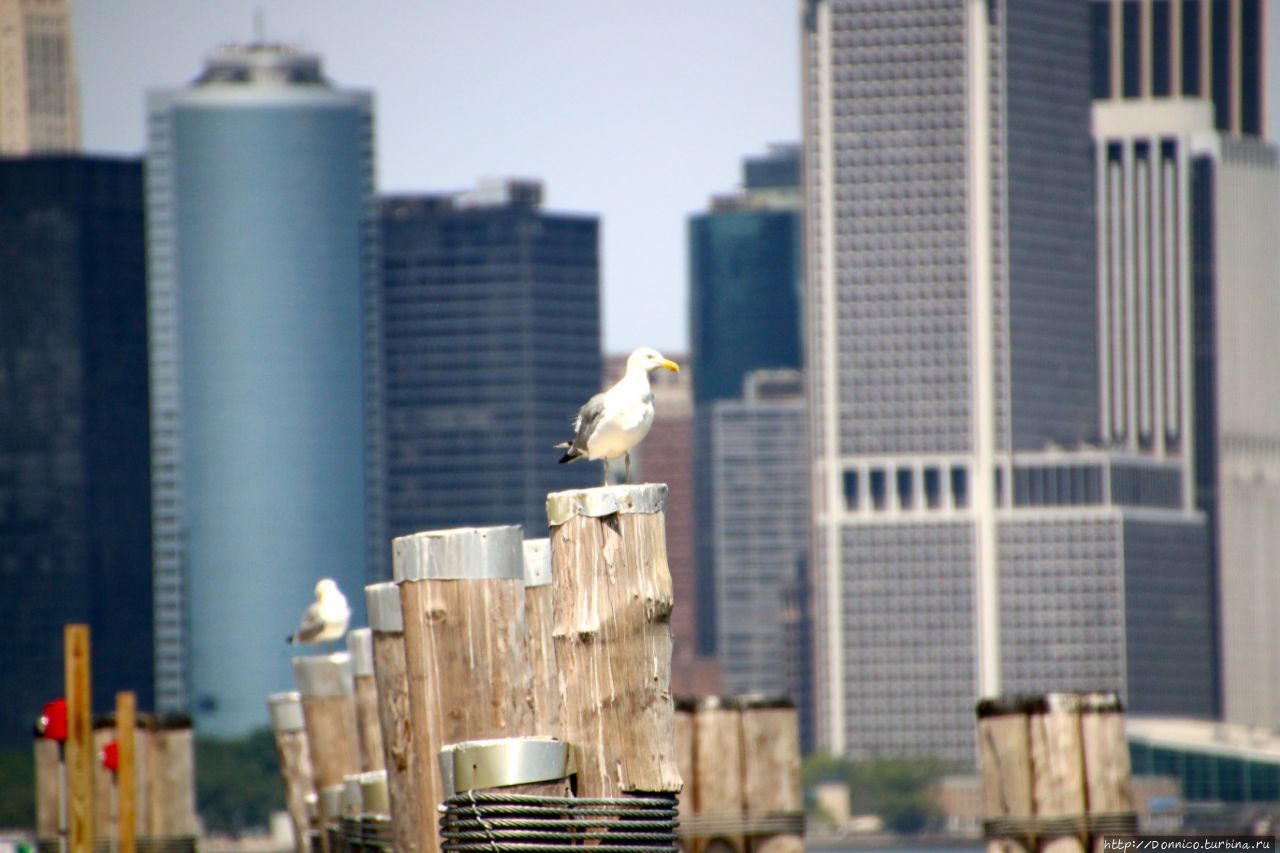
pixel 491 663
pixel 146 803
pixel 740 760
pixel 1055 771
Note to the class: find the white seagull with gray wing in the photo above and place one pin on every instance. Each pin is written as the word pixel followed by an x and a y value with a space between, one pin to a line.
pixel 612 422
pixel 326 619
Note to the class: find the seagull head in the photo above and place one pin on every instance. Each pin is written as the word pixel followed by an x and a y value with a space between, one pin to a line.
pixel 648 358
pixel 325 587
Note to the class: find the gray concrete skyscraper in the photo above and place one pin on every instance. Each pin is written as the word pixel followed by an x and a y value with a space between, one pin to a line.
pixel 1189 294
pixel 263 308
pixel 971 536
pixel 491 342
pixel 39 97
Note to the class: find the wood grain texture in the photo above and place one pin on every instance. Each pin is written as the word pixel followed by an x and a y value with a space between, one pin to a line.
pixel 398 744
pixel 334 746
pixel 468 679
pixel 1108 779
pixel 1005 747
pixel 46 764
pixel 79 746
pixel 295 771
pixel 771 772
pixel 368 727
pixel 173 782
pixel 612 637
pixel 1057 767
pixel 718 768
pixel 540 651
pixel 126 776
pixel 683 727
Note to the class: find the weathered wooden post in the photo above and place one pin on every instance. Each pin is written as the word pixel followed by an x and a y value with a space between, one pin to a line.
pixel 290 730
pixel 79 749
pixel 1057 770
pixel 772 794
pixel 539 617
pixel 329 713
pixel 399 746
pixel 718 776
pixel 104 782
pixel 360 647
pixel 126 775
pixel 1108 779
pixel 171 773
pixel 48 789
pixel 462 601
pixel 613 637
pixel 686 707
pixel 1004 744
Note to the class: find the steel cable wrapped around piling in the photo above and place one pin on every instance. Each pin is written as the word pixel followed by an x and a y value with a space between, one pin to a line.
pixel 516 823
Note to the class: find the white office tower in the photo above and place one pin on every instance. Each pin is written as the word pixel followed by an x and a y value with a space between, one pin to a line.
pixel 972 533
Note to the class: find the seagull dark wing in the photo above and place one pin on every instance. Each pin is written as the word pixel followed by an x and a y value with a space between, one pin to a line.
pixel 585 424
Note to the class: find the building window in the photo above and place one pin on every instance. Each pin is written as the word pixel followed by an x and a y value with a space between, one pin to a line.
pixel 932 488
pixel 960 487
pixel 879 492
pixel 906 488
pixel 851 490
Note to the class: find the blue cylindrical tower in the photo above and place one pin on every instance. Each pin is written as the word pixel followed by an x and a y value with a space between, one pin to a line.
pixel 259 185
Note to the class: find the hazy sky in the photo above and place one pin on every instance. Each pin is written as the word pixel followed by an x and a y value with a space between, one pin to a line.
pixel 635 111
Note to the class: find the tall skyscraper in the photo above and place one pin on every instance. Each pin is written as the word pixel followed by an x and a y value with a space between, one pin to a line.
pixel 39 101
pixel 760 474
pixel 75 501
pixel 263 304
pixel 491 343
pixel 745 275
pixel 970 536
pixel 1189 277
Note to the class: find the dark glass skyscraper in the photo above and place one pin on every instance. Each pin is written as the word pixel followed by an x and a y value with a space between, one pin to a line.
pixel 75 498
pixel 491 342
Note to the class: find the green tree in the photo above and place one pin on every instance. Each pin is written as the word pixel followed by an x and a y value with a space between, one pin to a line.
pixel 896 789
pixel 238 782
pixel 17 788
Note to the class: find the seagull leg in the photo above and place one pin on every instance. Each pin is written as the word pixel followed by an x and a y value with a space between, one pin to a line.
pixel 627 456
pixel 605 465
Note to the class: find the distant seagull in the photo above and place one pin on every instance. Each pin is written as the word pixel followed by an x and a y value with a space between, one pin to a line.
pixel 326 619
pixel 614 421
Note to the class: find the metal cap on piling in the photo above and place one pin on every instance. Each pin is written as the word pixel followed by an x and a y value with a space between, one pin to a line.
pixel 463 553
pixel 322 676
pixel 537 562
pixel 286 711
pixel 608 500
pixel 502 762
pixel 373 792
pixel 383 600
pixel 331 801
pixel 352 798
pixel 360 647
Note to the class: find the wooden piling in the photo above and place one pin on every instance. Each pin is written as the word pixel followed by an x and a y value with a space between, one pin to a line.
pixel 368 728
pixel 462 601
pixel 48 792
pixel 1057 770
pixel 126 775
pixel 172 784
pixel 329 713
pixel 539 618
pixel 613 637
pixel 399 746
pixel 79 747
pixel 1005 748
pixel 685 708
pixel 104 782
pixel 717 767
pixel 772 794
pixel 290 731
pixel 1108 779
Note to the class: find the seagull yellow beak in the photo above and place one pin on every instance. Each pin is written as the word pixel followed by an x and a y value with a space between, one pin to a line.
pixel 670 365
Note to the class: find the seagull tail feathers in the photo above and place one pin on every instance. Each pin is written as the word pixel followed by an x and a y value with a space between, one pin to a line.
pixel 569 455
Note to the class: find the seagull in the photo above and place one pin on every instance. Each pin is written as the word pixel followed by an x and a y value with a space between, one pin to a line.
pixel 326 619
pixel 614 421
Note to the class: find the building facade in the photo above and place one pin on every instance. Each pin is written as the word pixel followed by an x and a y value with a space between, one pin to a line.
pixel 970 535
pixel 263 307
pixel 491 344
pixel 75 501
pixel 745 276
pixel 39 95
pixel 1189 294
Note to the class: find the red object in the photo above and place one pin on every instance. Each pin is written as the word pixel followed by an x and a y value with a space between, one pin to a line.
pixel 111 756
pixel 53 723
